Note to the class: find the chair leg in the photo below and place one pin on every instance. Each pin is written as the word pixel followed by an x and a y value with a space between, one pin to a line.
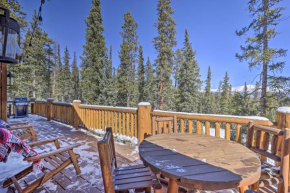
pixel 74 161
pixel 148 189
pixel 157 188
pixel 243 189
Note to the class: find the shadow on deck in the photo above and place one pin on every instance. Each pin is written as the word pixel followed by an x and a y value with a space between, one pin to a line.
pixel 67 181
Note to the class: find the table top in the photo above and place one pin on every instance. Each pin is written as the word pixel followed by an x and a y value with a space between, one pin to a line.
pixel 201 161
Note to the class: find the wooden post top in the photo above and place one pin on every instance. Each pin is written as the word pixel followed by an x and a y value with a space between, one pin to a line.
pixel 201 161
pixel 77 101
pixel 144 104
pixel 49 99
pixel 284 110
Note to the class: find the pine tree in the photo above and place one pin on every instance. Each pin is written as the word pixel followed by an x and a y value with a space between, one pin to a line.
pixel 65 78
pixel 75 79
pixel 34 74
pixel 141 75
pixel 246 101
pixel 207 95
pixel 93 59
pixel 163 44
pixel 178 60
pixel 59 87
pixel 127 87
pixel 224 100
pixel 189 80
pixel 150 86
pixel 238 104
pixel 257 51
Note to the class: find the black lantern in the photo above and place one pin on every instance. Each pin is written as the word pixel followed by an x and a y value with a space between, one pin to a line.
pixel 10 77
pixel 9 38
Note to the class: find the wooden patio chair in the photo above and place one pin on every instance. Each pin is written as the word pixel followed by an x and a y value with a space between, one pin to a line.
pixel 53 162
pixel 270 175
pixel 24 131
pixel 116 179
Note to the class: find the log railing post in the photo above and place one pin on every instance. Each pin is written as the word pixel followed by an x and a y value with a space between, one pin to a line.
pixel 76 118
pixel 144 121
pixel 32 103
pixel 283 122
pixel 49 109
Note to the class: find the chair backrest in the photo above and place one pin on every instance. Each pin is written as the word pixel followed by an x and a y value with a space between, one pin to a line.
pixel 164 125
pixel 259 139
pixel 107 159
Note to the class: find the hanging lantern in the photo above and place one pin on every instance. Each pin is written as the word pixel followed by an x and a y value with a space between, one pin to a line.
pixel 10 77
pixel 9 38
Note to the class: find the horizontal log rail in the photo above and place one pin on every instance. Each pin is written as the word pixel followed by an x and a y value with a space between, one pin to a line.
pixel 181 122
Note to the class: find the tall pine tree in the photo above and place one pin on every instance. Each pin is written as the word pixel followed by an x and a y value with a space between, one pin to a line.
pixel 127 87
pixel 266 16
pixel 224 100
pixel 93 59
pixel 207 95
pixel 189 80
pixel 150 86
pixel 163 44
pixel 141 75
pixel 75 79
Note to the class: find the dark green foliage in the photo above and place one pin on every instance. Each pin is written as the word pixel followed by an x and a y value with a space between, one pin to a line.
pixel 189 82
pixel 141 75
pixel 207 94
pixel 224 100
pixel 75 79
pixel 93 59
pixel 126 86
pixel 150 84
pixel 266 16
pixel 163 43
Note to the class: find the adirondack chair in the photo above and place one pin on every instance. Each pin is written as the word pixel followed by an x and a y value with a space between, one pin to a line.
pixel 116 179
pixel 54 162
pixel 270 175
pixel 22 129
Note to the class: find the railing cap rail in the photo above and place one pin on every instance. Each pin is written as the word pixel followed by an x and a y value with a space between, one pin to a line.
pixel 110 108
pixel 61 103
pixel 215 117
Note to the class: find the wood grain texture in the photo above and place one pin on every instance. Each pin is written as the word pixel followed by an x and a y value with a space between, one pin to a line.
pixel 205 162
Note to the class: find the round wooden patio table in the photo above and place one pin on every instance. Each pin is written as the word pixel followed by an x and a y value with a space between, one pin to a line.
pixel 200 161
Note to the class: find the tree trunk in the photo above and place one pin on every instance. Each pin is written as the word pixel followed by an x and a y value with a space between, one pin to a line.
pixel 265 57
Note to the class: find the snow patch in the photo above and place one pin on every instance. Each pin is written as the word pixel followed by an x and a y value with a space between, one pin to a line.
pixel 283 110
pixel 143 104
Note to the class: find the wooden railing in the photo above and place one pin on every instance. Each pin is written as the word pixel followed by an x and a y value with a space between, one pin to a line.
pixel 63 112
pixel 122 120
pixel 225 126
pixel 41 108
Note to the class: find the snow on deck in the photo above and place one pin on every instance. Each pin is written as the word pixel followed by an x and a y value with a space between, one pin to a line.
pixel 90 179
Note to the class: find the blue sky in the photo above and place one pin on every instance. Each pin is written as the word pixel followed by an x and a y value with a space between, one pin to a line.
pixel 211 25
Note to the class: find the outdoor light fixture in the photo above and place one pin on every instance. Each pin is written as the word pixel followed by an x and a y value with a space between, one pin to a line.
pixel 9 38
pixel 10 79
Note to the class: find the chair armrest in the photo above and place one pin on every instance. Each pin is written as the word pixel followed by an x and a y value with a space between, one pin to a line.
pixel 58 151
pixel 20 123
pixel 21 127
pixel 38 143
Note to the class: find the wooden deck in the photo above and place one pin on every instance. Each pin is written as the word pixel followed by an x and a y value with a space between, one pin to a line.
pixel 67 181
pixel 90 180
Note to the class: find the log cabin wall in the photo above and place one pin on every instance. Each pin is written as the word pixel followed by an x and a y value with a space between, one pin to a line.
pixel 3 91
